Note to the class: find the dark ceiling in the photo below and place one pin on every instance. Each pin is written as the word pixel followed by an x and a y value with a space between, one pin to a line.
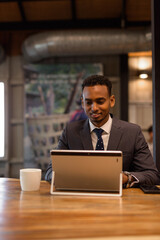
pixel 63 14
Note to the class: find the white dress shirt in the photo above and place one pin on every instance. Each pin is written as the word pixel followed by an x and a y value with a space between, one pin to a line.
pixel 105 135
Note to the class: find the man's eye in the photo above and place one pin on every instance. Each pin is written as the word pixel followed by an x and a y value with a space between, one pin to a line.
pixel 88 102
pixel 100 102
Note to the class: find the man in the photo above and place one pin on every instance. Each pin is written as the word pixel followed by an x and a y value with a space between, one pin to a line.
pixel 138 165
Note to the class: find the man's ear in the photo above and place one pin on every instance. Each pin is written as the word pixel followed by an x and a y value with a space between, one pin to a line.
pixel 82 102
pixel 112 101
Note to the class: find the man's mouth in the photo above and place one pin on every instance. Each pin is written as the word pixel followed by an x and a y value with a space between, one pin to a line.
pixel 95 115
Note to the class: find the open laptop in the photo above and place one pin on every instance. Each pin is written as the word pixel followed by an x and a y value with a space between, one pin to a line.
pixel 86 172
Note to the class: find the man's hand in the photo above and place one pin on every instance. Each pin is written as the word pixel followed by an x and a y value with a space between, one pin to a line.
pixel 125 178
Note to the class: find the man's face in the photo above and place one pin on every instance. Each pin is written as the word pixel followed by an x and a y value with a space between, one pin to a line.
pixel 97 103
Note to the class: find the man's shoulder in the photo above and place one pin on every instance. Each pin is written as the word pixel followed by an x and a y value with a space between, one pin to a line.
pixel 77 124
pixel 124 124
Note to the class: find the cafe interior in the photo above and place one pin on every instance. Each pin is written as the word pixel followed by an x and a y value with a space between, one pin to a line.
pixel 47 48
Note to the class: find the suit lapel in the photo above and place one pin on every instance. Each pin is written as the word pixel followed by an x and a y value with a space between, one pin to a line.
pixel 115 135
pixel 86 136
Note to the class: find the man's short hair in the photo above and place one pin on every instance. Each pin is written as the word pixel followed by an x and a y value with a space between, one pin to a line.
pixel 97 80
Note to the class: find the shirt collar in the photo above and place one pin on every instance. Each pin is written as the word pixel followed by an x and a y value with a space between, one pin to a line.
pixel 106 127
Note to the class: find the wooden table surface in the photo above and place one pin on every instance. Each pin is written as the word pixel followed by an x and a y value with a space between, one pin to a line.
pixel 39 215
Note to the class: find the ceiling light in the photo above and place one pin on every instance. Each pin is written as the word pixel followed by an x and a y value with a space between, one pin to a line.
pixel 143 75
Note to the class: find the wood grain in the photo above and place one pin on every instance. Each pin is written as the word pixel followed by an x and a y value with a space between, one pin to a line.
pixel 39 215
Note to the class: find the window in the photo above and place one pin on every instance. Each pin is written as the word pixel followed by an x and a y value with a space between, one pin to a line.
pixel 2 131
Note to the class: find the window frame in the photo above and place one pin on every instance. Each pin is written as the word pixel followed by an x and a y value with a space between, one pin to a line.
pixel 5 157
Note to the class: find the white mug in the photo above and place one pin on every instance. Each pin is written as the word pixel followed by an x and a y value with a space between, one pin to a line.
pixel 30 179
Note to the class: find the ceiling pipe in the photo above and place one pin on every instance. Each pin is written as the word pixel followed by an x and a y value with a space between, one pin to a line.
pixel 85 43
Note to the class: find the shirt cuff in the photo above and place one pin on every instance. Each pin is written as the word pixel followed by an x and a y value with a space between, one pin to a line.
pixel 135 181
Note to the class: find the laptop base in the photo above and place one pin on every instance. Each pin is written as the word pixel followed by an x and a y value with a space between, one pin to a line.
pixel 53 191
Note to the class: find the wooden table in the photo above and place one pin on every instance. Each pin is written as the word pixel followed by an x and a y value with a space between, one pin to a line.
pixel 39 215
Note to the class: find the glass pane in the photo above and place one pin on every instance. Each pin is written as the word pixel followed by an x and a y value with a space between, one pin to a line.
pixel 52 97
pixel 2 119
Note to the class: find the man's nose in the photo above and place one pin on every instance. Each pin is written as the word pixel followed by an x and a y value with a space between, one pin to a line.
pixel 94 107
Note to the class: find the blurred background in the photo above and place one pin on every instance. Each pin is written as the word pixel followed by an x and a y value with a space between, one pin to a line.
pixel 47 48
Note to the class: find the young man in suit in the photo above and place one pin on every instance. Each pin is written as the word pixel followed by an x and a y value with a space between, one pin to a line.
pixel 97 100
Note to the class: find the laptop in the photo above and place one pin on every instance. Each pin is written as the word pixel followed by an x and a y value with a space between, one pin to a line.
pixel 86 172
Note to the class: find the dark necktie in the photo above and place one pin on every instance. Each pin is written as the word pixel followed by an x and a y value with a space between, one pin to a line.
pixel 99 145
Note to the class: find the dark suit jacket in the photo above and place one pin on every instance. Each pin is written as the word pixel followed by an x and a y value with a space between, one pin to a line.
pixel 124 136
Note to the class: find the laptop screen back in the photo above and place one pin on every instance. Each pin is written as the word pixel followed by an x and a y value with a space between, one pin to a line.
pixel 95 171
